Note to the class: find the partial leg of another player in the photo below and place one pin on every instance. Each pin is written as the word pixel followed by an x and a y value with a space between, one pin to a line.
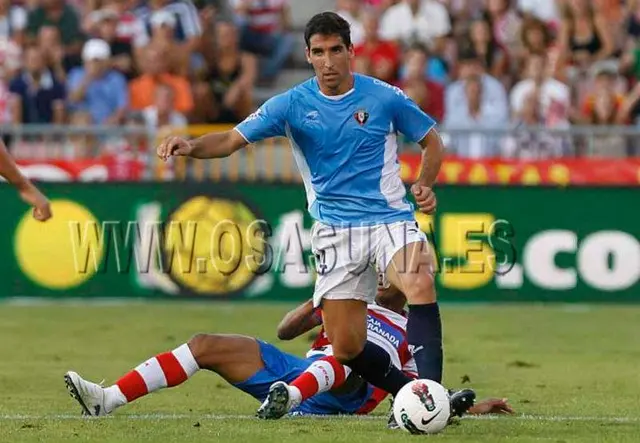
pixel 345 324
pixel 235 358
pixel 412 271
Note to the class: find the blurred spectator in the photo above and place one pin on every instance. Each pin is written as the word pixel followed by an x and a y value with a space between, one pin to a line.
pixel 265 31
pixel 412 21
pixel 80 144
pixel 351 11
pixel 96 88
pixel 38 95
pixel 605 106
pixel 155 72
pixel 544 10
pixel 106 28
pixel 58 14
pixel 5 105
pixel 476 101
pixel 535 39
pixel 51 45
pixel 474 109
pixel 10 58
pixel 13 21
pixel 584 35
pixel 530 144
pixel 130 28
pixel 187 28
pixel 486 46
pixel 227 94
pixel 162 113
pixel 505 24
pixel 221 10
pixel 163 26
pixel 376 57
pixel 428 94
pixel 552 97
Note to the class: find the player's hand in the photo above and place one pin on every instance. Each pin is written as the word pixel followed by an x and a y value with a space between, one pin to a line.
pixel 173 146
pixel 425 198
pixel 491 406
pixel 33 197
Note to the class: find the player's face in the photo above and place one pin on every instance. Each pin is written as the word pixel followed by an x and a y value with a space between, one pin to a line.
pixel 331 60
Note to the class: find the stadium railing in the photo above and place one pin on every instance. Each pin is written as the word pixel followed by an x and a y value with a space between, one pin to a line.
pixel 272 160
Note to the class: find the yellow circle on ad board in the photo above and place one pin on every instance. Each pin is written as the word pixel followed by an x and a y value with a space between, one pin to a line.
pixel 64 251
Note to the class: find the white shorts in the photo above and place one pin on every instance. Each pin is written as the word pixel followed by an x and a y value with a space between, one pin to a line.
pixel 350 261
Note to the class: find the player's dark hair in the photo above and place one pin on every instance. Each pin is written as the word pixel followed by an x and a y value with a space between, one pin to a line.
pixel 328 23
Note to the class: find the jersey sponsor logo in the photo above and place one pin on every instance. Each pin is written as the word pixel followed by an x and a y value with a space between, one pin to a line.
pixel 313 115
pixel 361 116
pixel 385 331
pixel 254 115
pixel 395 89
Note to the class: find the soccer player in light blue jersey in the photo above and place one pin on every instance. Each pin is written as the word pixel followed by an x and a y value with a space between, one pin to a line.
pixel 343 129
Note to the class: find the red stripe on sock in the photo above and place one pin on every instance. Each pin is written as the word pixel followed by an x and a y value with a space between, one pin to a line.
pixel 306 384
pixel 338 370
pixel 132 386
pixel 172 369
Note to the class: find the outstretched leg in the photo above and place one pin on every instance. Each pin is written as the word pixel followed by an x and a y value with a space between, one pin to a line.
pixel 234 357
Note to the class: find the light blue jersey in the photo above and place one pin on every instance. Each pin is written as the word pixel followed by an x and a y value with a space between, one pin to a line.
pixel 345 147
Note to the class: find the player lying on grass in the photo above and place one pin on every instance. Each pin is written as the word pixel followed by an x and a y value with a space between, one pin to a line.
pixel 386 327
pixel 253 366
pixel 29 193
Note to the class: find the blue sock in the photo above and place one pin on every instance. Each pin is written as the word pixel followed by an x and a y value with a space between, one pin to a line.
pixel 424 333
pixel 375 366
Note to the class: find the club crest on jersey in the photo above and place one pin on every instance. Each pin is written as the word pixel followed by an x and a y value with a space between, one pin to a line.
pixel 361 116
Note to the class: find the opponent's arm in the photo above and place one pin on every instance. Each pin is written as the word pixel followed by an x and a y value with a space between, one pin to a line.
pixel 298 321
pixel 29 193
pixel 213 145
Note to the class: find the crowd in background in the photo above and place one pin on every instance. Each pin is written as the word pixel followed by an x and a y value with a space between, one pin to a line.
pixel 471 64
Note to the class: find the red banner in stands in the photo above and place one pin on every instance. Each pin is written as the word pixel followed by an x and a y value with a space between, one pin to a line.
pixel 107 168
pixel 539 172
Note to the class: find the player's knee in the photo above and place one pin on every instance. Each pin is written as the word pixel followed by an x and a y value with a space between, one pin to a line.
pixel 421 289
pixel 345 351
pixel 202 346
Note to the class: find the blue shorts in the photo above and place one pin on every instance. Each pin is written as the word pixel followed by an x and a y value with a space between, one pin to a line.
pixel 280 366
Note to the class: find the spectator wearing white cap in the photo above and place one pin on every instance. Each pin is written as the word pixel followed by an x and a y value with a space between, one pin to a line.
pixel 106 28
pixel 96 88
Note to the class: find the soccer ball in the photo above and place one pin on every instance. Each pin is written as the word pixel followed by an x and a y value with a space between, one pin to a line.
pixel 422 407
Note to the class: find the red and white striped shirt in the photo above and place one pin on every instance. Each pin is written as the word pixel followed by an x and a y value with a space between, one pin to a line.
pixel 264 15
pixel 386 329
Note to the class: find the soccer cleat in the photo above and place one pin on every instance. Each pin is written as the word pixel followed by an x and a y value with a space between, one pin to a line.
pixel 89 395
pixel 461 401
pixel 392 423
pixel 278 402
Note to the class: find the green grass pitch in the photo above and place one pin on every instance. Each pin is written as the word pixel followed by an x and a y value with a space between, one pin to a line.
pixel 572 373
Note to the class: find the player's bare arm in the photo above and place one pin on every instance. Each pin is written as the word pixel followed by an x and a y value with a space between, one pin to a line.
pixel 432 153
pixel 213 145
pixel 298 321
pixel 29 193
